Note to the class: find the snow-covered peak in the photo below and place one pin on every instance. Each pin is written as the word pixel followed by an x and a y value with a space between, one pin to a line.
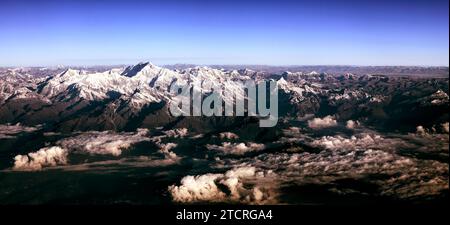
pixel 134 70
pixel 69 73
pixel 282 82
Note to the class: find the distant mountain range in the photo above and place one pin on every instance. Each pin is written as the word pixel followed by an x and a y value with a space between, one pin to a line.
pixel 126 98
pixel 427 71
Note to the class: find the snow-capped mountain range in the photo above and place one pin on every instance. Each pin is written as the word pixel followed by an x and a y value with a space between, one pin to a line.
pixel 137 95
pixel 140 84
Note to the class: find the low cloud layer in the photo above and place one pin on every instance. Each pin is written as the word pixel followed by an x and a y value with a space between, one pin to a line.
pixel 367 156
pixel 396 176
pixel 363 141
pixel 103 143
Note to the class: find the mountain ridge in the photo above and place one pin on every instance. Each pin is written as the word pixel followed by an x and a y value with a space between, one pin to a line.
pixel 82 99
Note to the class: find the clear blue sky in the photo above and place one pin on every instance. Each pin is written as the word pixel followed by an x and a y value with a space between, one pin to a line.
pixel 224 32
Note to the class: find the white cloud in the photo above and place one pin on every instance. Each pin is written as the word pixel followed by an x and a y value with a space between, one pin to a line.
pixel 319 123
pixel 420 130
pixel 236 148
pixel 197 188
pixel 237 182
pixel 50 156
pixel 351 124
pixel 165 149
